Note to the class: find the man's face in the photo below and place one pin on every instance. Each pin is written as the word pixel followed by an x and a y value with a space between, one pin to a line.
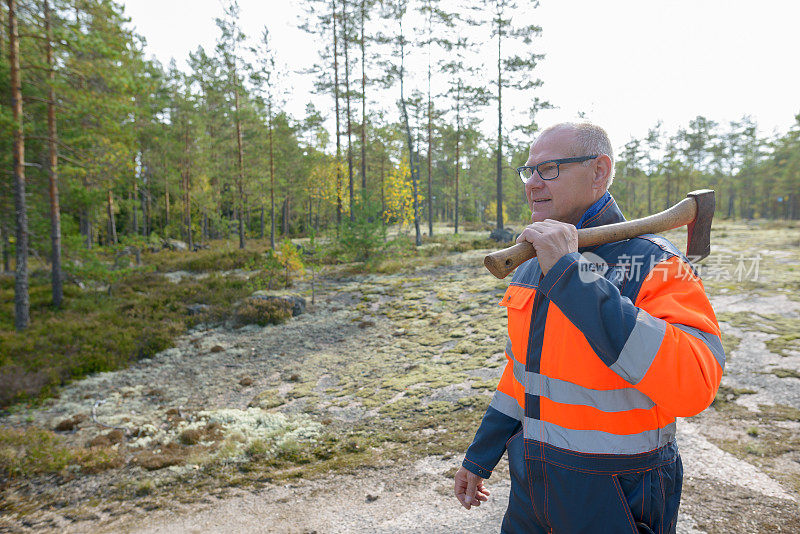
pixel 567 197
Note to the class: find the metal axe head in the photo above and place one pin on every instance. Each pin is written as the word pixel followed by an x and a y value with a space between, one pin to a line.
pixel 698 244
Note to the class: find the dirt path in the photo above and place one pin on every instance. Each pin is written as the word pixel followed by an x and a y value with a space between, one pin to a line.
pixel 381 351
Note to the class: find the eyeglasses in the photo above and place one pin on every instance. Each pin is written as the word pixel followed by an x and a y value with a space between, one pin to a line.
pixel 548 170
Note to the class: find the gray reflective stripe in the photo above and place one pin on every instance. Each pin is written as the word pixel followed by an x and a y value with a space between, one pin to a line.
pixel 611 400
pixel 714 343
pixel 519 367
pixel 507 405
pixel 641 348
pixel 606 400
pixel 597 441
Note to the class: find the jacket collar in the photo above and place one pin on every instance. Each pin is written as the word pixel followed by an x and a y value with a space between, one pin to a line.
pixel 603 211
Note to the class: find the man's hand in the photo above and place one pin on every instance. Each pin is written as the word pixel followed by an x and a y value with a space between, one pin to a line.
pixel 551 239
pixel 469 489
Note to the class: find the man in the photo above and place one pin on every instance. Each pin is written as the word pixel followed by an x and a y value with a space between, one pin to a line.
pixel 603 355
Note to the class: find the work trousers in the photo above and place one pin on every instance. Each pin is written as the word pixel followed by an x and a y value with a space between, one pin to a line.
pixel 558 491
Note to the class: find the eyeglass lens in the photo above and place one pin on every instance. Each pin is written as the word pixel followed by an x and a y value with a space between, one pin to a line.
pixel 547 171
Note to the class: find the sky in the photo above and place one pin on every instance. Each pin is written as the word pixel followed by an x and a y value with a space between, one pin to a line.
pixel 623 64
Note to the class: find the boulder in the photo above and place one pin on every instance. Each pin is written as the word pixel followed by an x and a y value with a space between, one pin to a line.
pixel 197 309
pixel 502 235
pixel 174 244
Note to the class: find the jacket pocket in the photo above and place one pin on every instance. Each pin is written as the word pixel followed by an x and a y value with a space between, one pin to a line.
pixel 517 297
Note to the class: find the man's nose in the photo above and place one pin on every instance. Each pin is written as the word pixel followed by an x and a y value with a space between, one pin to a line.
pixel 534 182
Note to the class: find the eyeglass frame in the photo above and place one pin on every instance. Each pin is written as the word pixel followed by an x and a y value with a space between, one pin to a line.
pixel 558 162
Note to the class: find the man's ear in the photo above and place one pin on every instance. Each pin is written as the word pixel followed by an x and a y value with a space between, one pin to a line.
pixel 602 172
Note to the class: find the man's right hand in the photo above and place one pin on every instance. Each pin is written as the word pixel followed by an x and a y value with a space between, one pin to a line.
pixel 469 488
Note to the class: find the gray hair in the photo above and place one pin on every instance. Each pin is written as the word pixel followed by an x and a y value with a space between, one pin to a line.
pixel 590 140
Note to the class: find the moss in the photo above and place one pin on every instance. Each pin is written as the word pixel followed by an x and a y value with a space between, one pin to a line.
pixel 784 328
pixel 267 399
pixel 35 451
pixel 785 373
pixel 780 412
pixel 726 396
pixel 784 344
pixel 729 343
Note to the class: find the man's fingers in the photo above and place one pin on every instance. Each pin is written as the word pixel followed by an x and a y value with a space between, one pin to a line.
pixel 472 487
pixel 461 488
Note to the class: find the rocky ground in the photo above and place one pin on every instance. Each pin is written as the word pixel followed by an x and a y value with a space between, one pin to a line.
pixel 353 416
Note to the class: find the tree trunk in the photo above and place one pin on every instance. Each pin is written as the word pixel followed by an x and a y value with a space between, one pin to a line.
pixel 413 162
pixel 272 183
pixel 55 211
pixel 286 217
pixel 338 128
pixel 166 207
pixel 187 184
pixel 112 224
pixel 363 105
pixel 668 180
pixel 147 206
pixel 430 149
pixel 499 129
pixel 731 202
pixel 458 151
pixel 383 197
pixel 240 163
pixel 21 297
pixel 135 200
pixel 347 100
pixel 4 246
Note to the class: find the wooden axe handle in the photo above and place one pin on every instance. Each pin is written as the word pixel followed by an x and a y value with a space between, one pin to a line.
pixel 502 262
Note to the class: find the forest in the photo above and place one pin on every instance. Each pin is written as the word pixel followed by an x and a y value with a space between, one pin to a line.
pixel 101 146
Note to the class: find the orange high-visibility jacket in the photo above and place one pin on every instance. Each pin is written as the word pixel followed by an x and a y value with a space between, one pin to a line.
pixel 603 361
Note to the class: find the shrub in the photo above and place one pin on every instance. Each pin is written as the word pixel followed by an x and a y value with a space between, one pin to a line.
pixel 363 238
pixel 263 311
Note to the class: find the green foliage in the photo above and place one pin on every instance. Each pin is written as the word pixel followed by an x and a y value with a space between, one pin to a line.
pixel 104 266
pixel 362 239
pixel 267 267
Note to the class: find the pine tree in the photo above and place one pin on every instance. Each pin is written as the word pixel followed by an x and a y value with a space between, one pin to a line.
pixel 21 298
pixel 520 63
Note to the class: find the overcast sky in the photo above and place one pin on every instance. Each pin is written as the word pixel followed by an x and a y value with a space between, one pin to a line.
pixel 626 64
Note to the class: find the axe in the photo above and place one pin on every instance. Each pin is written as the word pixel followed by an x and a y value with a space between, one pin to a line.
pixel 695 211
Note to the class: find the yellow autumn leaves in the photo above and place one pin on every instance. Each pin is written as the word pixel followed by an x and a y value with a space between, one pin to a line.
pixel 399 195
pixel 324 183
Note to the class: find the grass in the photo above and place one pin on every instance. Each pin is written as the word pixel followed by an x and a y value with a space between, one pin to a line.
pixel 33 451
pixel 96 331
